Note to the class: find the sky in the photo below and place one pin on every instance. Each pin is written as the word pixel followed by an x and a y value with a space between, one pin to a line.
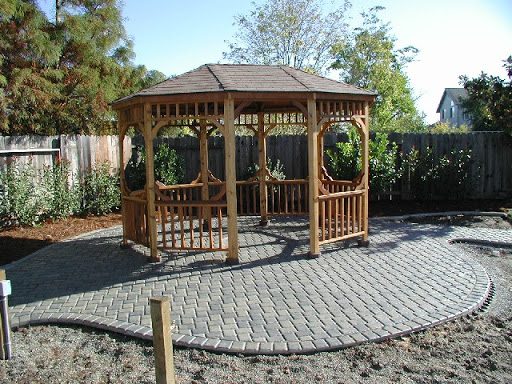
pixel 454 37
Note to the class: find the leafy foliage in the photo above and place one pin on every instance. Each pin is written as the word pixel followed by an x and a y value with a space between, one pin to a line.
pixel 101 191
pixel 444 177
pixel 444 128
pixel 59 76
pixel 345 161
pixel 62 195
pixel 28 197
pixel 370 60
pixel 276 170
pixel 296 33
pixel 489 100
pixel 20 199
pixel 168 167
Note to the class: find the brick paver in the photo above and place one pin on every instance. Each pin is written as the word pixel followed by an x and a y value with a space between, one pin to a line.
pixel 276 301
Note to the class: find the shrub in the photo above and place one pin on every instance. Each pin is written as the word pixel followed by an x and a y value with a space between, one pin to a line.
pixel 384 172
pixel 20 198
pixel 168 167
pixel 101 193
pixel 276 170
pixel 62 194
pixel 345 161
pixel 443 177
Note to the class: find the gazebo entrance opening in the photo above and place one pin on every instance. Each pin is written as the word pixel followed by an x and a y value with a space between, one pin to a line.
pixel 221 98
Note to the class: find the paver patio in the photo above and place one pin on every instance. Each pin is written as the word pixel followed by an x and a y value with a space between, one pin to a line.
pixel 276 301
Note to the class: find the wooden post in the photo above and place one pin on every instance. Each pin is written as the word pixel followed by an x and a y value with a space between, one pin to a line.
pixel 122 181
pixel 314 241
pixel 365 155
pixel 320 146
pixel 262 160
pixel 203 153
pixel 162 339
pixel 150 183
pixel 3 352
pixel 230 159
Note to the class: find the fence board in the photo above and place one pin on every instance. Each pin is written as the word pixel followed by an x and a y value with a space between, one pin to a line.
pixel 491 153
pixel 82 152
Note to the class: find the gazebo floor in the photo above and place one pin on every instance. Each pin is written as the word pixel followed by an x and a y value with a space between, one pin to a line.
pixel 276 301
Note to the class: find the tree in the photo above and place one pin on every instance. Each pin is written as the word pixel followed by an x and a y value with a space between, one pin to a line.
pixel 369 59
pixel 28 80
pixel 489 100
pixel 60 75
pixel 297 33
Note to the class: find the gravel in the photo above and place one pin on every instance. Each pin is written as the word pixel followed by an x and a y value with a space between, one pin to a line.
pixel 473 349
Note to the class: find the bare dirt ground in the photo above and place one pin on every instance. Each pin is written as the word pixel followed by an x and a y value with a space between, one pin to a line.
pixel 474 349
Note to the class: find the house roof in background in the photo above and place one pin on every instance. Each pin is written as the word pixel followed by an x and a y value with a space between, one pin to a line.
pixel 455 94
pixel 214 78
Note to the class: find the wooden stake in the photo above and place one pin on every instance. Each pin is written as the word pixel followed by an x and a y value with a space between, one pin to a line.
pixel 162 339
pixel 230 159
pixel 314 240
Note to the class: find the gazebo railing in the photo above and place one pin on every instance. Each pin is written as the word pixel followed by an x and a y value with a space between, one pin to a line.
pixel 335 186
pixel 135 223
pixel 287 197
pixel 189 223
pixel 341 216
pixel 193 225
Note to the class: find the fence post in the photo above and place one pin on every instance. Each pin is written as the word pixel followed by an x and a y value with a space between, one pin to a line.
pixel 162 339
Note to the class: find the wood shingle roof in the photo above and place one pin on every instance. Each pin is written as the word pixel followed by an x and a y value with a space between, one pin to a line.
pixel 211 78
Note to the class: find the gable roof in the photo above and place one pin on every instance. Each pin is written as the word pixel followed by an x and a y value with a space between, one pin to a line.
pixel 211 78
pixel 455 94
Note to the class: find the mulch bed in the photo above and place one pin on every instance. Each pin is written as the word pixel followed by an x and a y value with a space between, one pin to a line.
pixel 16 243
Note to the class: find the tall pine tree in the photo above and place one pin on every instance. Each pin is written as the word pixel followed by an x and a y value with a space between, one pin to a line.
pixel 59 74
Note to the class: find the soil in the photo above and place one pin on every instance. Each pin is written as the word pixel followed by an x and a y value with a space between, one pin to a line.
pixel 18 242
pixel 473 349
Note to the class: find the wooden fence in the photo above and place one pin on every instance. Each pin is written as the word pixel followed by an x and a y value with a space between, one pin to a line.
pixel 491 156
pixel 82 152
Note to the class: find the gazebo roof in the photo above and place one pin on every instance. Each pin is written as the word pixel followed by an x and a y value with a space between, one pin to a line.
pixel 220 78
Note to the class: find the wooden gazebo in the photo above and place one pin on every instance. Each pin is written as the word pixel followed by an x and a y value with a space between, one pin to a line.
pixel 220 98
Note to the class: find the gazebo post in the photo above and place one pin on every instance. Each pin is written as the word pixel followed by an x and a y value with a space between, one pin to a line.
pixel 150 184
pixel 122 133
pixel 203 152
pixel 314 241
pixel 230 159
pixel 262 160
pixel 365 166
pixel 320 160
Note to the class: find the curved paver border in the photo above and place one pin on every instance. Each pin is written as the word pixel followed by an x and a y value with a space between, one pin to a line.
pixel 474 298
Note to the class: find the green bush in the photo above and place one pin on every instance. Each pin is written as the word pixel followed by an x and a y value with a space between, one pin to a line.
pixel 345 161
pixel 276 170
pixel 101 193
pixel 444 177
pixel 384 172
pixel 62 194
pixel 28 197
pixel 168 167
pixel 20 198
